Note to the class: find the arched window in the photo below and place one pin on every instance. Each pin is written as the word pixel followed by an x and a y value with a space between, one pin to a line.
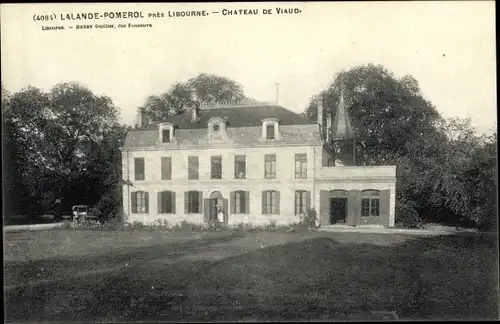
pixel 302 198
pixel 270 202
pixel 370 203
pixel 166 202
pixel 140 202
pixel 270 129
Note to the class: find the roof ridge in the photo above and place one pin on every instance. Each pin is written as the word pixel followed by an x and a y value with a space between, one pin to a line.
pixel 233 104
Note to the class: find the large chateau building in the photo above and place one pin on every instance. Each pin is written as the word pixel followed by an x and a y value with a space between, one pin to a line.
pixel 258 163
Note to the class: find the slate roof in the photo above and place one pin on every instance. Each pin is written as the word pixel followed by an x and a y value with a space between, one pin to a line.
pixel 236 116
pixel 244 127
pixel 242 135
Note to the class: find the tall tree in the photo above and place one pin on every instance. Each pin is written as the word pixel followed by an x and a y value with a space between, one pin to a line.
pixel 202 88
pixel 387 113
pixel 58 134
pixel 442 164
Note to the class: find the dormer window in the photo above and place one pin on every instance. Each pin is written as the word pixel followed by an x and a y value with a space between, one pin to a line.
pixel 270 129
pixel 166 133
pixel 217 128
pixel 270 132
pixel 166 136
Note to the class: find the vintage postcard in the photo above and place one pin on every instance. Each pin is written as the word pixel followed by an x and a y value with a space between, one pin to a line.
pixel 251 161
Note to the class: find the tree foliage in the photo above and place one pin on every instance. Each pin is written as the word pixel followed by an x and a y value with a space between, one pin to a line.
pixel 199 89
pixel 61 143
pixel 442 164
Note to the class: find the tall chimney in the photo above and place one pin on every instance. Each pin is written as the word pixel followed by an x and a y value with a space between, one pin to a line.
pixel 328 129
pixel 140 117
pixel 319 103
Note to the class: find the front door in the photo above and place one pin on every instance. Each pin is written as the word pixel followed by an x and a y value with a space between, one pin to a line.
pixel 338 210
pixel 216 205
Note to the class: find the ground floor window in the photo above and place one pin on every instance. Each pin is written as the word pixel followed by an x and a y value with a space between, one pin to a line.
pixel 140 202
pixel 301 202
pixel 239 202
pixel 270 202
pixel 193 202
pixel 370 203
pixel 166 202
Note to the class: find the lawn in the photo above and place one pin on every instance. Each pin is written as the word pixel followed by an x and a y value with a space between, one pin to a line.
pixel 90 275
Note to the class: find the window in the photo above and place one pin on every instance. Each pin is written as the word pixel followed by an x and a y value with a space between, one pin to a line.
pixel 240 167
pixel 140 202
pixel 216 163
pixel 301 202
pixel 270 131
pixel 193 168
pixel 239 202
pixel 166 136
pixel 166 168
pixel 139 169
pixel 270 202
pixel 300 166
pixel 370 203
pixel 166 202
pixel 270 166
pixel 193 200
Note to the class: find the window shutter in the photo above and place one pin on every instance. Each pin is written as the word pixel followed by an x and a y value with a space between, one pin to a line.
pixel 385 200
pixel 324 207
pixel 146 198
pixel 352 207
pixel 295 202
pixel 225 206
pixel 160 205
pixel 169 168
pixel 232 196
pixel 173 202
pixel 263 202
pixel 247 202
pixel 186 202
pixel 206 211
pixel 308 200
pixel 278 201
pixel 133 198
pixel 200 202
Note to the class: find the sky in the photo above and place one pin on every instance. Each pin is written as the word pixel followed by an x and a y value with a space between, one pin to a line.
pixel 449 47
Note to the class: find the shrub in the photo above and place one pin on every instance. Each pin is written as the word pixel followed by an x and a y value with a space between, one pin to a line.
pixel 241 227
pixel 109 204
pixel 407 216
pixel 308 220
pixel 138 225
pixel 272 226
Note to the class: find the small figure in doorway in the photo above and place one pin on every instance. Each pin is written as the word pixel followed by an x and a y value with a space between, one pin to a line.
pixel 220 216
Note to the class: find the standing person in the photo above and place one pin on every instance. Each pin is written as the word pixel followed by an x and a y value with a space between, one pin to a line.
pixel 75 217
pixel 220 216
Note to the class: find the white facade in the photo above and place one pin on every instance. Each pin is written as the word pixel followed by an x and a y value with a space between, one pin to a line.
pixel 206 142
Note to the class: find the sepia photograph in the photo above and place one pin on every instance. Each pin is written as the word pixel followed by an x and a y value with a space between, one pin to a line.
pixel 249 161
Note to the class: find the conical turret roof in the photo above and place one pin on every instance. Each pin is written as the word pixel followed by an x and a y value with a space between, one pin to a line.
pixel 341 126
